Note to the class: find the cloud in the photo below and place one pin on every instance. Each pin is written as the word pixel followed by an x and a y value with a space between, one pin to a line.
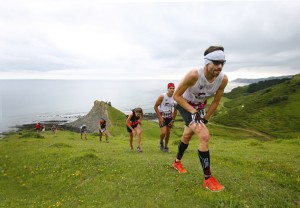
pixel 73 39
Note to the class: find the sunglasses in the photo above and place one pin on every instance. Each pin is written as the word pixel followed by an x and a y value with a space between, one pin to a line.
pixel 217 62
pixel 171 88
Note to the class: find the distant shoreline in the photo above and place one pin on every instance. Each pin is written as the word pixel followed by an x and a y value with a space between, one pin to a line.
pixel 58 123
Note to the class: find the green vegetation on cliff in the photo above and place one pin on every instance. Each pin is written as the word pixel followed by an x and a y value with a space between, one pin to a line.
pixel 273 110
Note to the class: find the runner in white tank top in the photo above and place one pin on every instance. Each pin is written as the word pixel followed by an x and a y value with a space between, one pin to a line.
pixel 166 106
pixel 198 94
pixel 166 113
pixel 191 96
pixel 202 90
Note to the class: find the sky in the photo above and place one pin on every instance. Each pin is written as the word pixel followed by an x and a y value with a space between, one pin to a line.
pixel 152 39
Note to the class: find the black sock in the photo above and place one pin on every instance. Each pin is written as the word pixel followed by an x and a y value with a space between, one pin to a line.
pixel 181 149
pixel 205 163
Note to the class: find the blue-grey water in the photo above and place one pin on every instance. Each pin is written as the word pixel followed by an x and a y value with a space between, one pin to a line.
pixel 27 101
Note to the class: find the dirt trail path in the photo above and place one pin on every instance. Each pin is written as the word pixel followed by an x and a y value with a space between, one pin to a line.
pixel 265 136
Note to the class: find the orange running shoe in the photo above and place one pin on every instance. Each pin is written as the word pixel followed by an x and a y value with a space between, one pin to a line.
pixel 178 166
pixel 213 185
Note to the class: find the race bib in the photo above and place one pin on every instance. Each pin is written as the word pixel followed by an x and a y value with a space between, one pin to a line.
pixel 166 113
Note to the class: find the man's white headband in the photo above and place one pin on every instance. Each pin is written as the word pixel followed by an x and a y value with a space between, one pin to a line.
pixel 215 56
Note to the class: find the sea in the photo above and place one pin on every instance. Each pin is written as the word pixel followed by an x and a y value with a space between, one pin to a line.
pixel 29 101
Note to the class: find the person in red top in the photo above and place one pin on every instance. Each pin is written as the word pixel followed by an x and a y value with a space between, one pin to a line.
pixel 102 129
pixel 38 127
pixel 133 124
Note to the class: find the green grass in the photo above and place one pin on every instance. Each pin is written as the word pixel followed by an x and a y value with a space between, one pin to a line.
pixel 63 171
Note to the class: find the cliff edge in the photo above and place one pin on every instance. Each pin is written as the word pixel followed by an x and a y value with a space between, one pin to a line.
pixel 91 120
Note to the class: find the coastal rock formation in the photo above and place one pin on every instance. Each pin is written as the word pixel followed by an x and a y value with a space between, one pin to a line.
pixel 91 119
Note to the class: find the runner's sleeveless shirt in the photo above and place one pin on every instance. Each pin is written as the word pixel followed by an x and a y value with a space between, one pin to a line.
pixel 198 94
pixel 166 106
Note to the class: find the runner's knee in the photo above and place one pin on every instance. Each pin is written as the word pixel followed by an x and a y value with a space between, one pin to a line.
pixel 205 138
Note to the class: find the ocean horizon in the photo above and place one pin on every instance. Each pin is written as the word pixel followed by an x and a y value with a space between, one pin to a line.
pixel 29 101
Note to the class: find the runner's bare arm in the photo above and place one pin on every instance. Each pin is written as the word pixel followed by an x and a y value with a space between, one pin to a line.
pixel 189 80
pixel 157 103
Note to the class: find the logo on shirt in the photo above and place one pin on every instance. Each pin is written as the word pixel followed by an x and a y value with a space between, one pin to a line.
pixel 200 95
pixel 167 104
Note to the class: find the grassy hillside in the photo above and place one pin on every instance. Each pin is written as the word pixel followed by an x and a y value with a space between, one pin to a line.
pixel 63 171
pixel 239 91
pixel 60 170
pixel 118 122
pixel 273 110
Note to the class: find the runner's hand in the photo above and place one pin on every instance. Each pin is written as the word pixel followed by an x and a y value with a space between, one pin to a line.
pixel 196 118
pixel 161 121
pixel 171 123
pixel 203 120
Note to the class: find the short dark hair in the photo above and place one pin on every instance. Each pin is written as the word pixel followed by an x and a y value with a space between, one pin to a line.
pixel 212 49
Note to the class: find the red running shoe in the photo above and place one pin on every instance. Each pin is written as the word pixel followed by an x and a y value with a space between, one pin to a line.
pixel 213 185
pixel 178 166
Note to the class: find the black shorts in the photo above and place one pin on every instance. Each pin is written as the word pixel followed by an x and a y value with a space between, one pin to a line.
pixel 166 122
pixel 133 126
pixel 187 116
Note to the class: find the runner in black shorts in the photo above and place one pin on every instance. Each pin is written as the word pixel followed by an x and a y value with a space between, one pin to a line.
pixel 166 113
pixel 133 125
pixel 102 129
pixel 83 131
pixel 191 95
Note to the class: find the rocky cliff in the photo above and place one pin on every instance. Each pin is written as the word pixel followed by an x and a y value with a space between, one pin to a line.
pixel 91 120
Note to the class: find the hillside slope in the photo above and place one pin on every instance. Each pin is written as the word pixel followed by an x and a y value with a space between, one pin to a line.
pixel 272 110
pixel 61 170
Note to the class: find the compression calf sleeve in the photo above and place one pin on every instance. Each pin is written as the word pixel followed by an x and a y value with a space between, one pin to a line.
pixel 205 163
pixel 181 149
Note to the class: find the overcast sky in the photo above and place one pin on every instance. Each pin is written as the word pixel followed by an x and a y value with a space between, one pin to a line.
pixel 89 39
